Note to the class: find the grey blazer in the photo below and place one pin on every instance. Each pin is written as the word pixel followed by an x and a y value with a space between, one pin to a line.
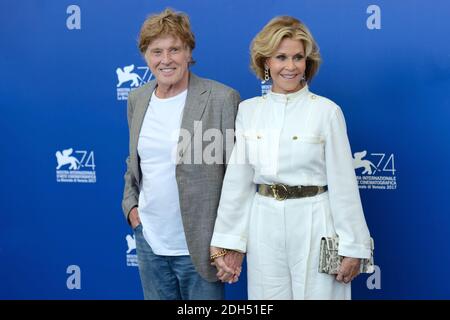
pixel 199 185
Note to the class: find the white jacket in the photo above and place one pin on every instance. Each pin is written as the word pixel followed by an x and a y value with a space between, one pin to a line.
pixel 294 139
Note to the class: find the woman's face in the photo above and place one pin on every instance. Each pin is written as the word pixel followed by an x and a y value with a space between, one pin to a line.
pixel 287 66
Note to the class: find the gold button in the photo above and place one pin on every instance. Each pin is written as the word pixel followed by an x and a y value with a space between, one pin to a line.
pixel 294 138
pixel 258 137
pixel 313 96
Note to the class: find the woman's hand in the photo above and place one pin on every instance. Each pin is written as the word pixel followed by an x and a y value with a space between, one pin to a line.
pixel 349 269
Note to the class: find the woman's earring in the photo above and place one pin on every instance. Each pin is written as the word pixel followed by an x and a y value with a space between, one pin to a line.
pixel 266 74
pixel 303 78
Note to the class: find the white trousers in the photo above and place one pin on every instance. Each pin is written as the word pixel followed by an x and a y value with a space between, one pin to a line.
pixel 283 250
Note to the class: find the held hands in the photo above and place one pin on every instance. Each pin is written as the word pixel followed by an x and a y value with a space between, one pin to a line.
pixel 228 265
pixel 348 270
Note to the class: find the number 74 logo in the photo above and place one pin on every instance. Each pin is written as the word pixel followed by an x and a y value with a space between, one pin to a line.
pixel 384 164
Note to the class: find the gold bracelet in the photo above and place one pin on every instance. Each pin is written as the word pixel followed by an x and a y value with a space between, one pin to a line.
pixel 221 253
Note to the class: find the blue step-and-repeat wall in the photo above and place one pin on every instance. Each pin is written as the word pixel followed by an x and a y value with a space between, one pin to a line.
pixel 66 70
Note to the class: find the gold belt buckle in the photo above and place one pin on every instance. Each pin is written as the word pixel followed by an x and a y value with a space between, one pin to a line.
pixel 280 191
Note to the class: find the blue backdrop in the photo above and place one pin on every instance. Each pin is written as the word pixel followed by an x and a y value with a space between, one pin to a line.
pixel 65 136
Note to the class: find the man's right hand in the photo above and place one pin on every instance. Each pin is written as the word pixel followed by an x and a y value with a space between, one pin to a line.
pixel 228 266
pixel 134 218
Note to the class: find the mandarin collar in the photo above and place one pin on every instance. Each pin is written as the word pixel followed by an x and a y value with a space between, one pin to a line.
pixel 284 98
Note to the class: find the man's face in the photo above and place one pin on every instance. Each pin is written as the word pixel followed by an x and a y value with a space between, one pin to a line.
pixel 168 58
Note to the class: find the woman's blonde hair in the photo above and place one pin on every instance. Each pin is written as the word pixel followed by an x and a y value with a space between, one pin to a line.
pixel 269 38
pixel 166 23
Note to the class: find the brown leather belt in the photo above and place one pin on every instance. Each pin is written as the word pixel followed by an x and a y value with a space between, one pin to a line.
pixel 283 192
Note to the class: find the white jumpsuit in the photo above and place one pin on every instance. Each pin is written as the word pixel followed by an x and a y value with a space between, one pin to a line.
pixel 294 139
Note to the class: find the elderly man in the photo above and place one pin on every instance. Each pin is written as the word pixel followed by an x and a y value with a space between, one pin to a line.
pixel 171 194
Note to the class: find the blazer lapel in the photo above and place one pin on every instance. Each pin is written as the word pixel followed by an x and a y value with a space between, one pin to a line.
pixel 194 108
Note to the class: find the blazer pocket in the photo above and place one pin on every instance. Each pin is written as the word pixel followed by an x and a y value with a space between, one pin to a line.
pixel 252 146
pixel 308 139
pixel 307 150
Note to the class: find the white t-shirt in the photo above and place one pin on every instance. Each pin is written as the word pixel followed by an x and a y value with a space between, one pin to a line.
pixel 159 206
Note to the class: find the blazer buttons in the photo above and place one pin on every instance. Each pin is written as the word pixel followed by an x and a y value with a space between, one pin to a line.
pixel 258 137
pixel 294 138
pixel 313 96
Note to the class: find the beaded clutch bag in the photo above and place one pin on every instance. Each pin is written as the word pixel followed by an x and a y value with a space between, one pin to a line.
pixel 330 261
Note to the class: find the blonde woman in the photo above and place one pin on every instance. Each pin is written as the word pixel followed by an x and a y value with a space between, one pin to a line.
pixel 290 180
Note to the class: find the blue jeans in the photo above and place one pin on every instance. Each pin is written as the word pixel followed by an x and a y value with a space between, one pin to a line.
pixel 172 277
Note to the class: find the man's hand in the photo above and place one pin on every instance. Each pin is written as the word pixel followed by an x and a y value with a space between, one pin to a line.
pixel 225 272
pixel 134 218
pixel 233 259
pixel 348 270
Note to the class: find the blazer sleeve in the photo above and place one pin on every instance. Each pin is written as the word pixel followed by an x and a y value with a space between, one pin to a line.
pixel 238 191
pixel 131 189
pixel 345 202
